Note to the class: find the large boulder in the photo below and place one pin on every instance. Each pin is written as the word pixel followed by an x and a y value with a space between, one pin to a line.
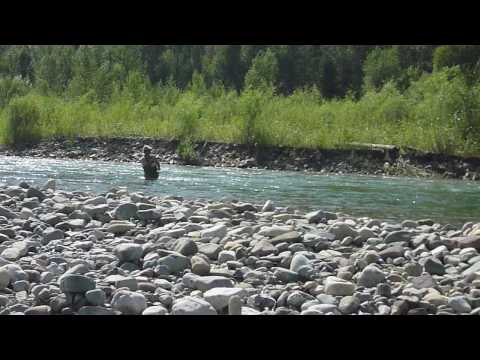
pixel 120 227
pixel 192 306
pixel 175 262
pixel 338 287
pixel 398 236
pixel 342 230
pixel 128 252
pixel 7 213
pixel 370 277
pixel 220 297
pixel 471 241
pixel 73 283
pixel 289 237
pixel 16 251
pixel 263 248
pixel 125 211
pixel 186 246
pixel 128 302
pixel 217 231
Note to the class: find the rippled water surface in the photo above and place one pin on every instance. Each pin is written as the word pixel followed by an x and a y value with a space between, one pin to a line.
pixel 384 198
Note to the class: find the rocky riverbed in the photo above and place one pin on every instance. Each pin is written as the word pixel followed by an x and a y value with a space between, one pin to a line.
pixel 130 253
pixel 349 161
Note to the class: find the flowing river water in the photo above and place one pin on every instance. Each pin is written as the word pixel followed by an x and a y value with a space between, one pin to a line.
pixel 394 199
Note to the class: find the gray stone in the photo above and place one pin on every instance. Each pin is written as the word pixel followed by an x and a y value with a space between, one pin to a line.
pixel 120 227
pixel 21 285
pixel 436 299
pixel 192 306
pixel 434 266
pixel 326 299
pixel 370 277
pixel 38 310
pixel 200 266
pixel 297 298
pixel 225 256
pixel 128 302
pixel 155 310
pixel 96 297
pixel 79 269
pixel 128 252
pixel 50 234
pixel 205 283
pixel 371 257
pixel 268 206
pixel 342 230
pixel 174 262
pixel 235 305
pixel 72 283
pixel 424 282
pixel 149 214
pixel 32 192
pixel 46 277
pixel 324 309
pixel 127 282
pixel 125 211
pixel 472 269
pixel 317 216
pixel 299 261
pixel 413 269
pixel 349 305
pixel 459 304
pixel 384 290
pixel 263 248
pixel 261 301
pixel 219 297
pixel 3 238
pixel 217 231
pixel 4 278
pixel 392 252
pixel 15 272
pixel 186 247
pixel 398 236
pixel 95 310
pixel 471 241
pixel 210 250
pixel 16 251
pixel 338 287
pixel 289 237
pixel 95 201
pixel 285 276
pixel 7 213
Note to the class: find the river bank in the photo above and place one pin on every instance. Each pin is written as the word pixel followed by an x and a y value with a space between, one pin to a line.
pixel 131 253
pixel 349 161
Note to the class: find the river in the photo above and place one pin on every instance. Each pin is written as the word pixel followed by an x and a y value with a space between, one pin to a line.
pixel 394 199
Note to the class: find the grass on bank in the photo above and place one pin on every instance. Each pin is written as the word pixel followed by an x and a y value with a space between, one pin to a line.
pixel 437 113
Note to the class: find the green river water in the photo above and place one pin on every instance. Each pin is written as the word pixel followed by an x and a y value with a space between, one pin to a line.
pixel 393 199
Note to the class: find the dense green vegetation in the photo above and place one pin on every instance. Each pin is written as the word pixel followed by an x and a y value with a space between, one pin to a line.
pixel 425 97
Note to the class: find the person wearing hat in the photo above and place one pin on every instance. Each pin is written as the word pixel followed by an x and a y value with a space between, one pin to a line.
pixel 151 165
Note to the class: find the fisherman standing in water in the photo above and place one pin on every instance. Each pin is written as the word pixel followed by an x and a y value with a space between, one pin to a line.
pixel 151 165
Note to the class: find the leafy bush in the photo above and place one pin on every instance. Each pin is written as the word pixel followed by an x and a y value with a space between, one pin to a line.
pixel 186 151
pixel 11 88
pixel 23 122
pixel 381 66
pixel 264 71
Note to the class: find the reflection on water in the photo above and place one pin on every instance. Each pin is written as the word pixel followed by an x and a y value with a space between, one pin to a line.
pixel 384 198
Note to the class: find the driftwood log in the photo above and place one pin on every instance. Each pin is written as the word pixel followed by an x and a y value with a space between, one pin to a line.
pixel 391 152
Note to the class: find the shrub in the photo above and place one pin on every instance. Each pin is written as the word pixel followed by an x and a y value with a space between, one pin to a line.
pixel 11 88
pixel 22 122
pixel 186 151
